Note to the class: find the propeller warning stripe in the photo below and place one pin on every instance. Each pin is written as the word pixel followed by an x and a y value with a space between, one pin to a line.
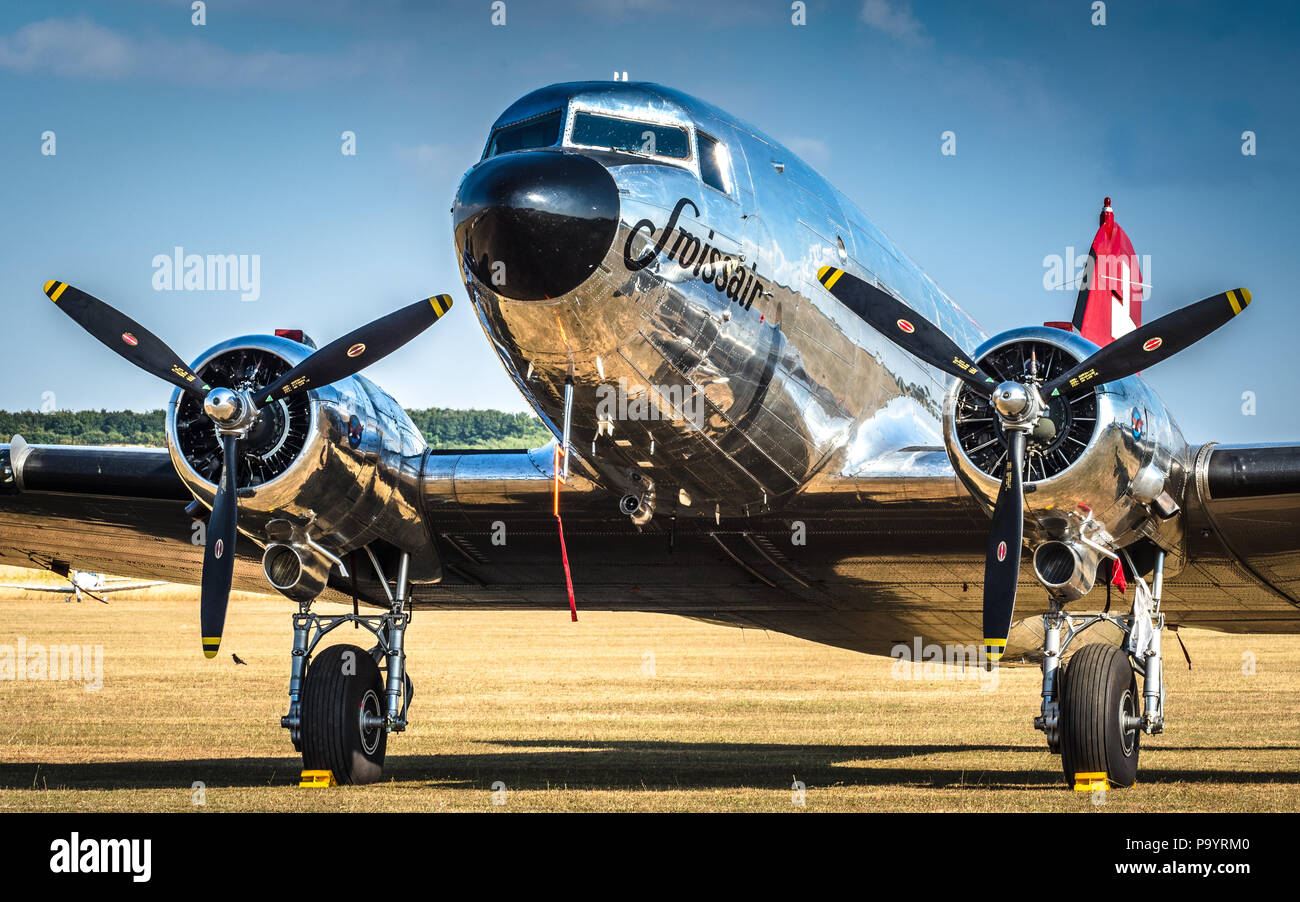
pixel 441 303
pixel 1241 304
pixel 994 648
pixel 59 288
pixel 828 276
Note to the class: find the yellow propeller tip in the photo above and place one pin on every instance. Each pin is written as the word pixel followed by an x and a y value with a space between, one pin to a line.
pixel 821 273
pixel 209 653
pixel 1245 297
pixel 49 285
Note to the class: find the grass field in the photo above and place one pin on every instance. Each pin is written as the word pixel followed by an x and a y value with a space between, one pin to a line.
pixel 618 712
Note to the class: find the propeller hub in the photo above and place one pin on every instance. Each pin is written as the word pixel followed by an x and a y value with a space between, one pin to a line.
pixel 224 406
pixel 1012 400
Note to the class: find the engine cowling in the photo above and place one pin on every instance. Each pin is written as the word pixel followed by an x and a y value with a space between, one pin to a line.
pixel 1101 467
pixel 320 474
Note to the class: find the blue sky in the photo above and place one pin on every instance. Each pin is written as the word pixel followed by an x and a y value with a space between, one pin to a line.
pixel 225 139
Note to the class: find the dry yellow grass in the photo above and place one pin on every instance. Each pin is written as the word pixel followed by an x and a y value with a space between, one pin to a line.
pixel 619 712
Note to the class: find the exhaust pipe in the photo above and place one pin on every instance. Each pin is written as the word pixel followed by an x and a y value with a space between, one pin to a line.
pixel 1066 570
pixel 295 570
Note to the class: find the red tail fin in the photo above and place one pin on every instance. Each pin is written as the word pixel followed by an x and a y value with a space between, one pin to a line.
pixel 1110 300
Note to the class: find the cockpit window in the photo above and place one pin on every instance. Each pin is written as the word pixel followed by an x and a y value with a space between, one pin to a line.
pixel 715 163
pixel 612 133
pixel 542 131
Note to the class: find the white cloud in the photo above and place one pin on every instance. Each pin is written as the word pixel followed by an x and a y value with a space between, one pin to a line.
pixel 73 47
pixel 813 150
pixel 80 48
pixel 438 161
pixel 894 19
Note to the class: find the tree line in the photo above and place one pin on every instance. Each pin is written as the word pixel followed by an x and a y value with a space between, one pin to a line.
pixel 442 428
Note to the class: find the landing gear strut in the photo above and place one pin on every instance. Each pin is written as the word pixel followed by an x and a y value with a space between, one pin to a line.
pixel 1091 713
pixel 341 709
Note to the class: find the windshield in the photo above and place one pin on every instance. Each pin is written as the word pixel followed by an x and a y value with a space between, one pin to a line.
pixel 544 131
pixel 612 133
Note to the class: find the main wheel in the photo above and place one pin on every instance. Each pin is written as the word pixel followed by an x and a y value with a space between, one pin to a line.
pixel 342 686
pixel 1099 716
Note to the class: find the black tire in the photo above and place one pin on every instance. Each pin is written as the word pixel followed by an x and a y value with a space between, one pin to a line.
pixel 333 700
pixel 1098 691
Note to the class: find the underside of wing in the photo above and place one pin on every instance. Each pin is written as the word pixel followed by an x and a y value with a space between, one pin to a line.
pixel 864 563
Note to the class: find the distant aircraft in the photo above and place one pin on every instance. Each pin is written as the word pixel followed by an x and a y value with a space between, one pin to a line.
pixel 765 415
pixel 81 582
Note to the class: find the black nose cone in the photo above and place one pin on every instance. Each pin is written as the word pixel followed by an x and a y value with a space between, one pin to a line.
pixel 534 225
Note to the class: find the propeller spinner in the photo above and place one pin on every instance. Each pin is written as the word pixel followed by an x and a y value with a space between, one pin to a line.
pixel 235 412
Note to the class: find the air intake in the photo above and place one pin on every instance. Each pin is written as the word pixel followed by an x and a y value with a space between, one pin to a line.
pixel 1061 435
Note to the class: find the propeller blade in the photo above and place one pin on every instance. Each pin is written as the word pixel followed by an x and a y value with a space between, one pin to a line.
pixel 219 552
pixel 1002 565
pixel 118 332
pixel 359 348
pixel 904 327
pixel 1158 340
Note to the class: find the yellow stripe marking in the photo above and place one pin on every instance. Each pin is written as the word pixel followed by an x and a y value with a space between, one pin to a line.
pixel 437 308
pixel 1001 643
pixel 830 283
pixel 1232 300
pixel 49 284
pixel 821 273
pixel 63 286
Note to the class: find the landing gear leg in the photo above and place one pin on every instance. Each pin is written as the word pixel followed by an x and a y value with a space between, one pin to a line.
pixel 1091 713
pixel 340 710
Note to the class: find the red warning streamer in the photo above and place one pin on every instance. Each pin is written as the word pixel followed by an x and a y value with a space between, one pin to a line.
pixel 564 551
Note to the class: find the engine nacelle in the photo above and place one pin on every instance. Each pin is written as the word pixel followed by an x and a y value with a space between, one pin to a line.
pixel 320 474
pixel 1102 466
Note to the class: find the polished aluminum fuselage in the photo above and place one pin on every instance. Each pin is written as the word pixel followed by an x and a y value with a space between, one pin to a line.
pixel 792 383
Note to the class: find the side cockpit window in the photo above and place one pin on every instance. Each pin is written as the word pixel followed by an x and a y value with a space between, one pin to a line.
pixel 540 131
pixel 653 139
pixel 715 163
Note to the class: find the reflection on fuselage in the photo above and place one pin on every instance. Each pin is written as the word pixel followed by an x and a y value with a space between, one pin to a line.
pixel 683 287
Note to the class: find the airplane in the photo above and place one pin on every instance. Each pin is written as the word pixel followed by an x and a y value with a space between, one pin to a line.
pixel 81 582
pixel 764 415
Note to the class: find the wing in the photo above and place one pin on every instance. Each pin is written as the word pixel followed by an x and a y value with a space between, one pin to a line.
pixel 866 562
pixel 46 588
pixel 103 510
pixel 128 587
pixel 1243 536
pixel 891 555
